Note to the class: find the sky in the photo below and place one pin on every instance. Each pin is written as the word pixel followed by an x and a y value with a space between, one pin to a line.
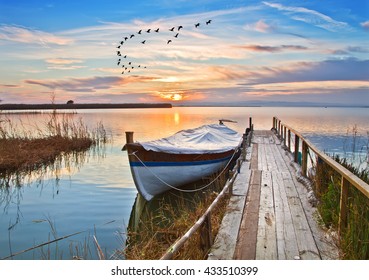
pixel 252 52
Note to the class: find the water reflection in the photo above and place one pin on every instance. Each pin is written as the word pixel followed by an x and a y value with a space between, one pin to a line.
pixel 99 189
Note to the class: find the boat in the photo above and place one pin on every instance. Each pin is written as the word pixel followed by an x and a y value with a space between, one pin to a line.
pixel 183 158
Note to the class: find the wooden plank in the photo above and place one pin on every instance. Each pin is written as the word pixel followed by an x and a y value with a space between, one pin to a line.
pixel 241 184
pixel 287 247
pixel 262 162
pixel 270 157
pixel 254 158
pixel 266 246
pixel 305 240
pixel 226 239
pixel 247 236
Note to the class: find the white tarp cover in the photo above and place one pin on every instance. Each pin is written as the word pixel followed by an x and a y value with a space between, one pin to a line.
pixel 214 138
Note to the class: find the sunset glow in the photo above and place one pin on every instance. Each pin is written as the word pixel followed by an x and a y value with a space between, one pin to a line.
pixel 252 52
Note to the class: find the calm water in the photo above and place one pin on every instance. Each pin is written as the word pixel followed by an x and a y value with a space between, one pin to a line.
pixel 96 196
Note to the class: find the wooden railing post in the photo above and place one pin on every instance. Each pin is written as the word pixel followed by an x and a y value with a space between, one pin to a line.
pixel 289 140
pixel 304 159
pixel 284 135
pixel 296 152
pixel 205 234
pixel 343 206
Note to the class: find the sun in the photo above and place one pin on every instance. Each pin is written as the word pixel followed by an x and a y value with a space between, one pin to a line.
pixel 176 97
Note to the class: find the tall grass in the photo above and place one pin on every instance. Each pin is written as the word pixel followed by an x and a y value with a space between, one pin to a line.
pixel 173 214
pixel 354 240
pixel 25 147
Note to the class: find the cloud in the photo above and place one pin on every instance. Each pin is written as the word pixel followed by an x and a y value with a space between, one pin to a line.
pixel 9 86
pixel 272 49
pixel 92 84
pixel 365 25
pixel 261 26
pixel 63 64
pixel 63 61
pixel 26 35
pixel 309 16
pixel 328 70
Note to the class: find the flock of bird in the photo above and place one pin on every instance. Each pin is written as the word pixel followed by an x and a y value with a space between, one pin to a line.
pixel 127 65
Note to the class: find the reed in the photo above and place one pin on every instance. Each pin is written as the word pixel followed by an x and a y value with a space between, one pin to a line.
pixel 354 241
pixel 23 149
pixel 168 222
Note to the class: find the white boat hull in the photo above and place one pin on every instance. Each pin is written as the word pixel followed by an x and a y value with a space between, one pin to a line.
pixel 153 180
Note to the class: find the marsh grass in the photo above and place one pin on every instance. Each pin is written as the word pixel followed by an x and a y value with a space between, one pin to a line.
pixel 354 241
pixel 24 148
pixel 160 227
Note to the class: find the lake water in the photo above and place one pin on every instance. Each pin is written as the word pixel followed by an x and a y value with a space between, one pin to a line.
pixel 96 195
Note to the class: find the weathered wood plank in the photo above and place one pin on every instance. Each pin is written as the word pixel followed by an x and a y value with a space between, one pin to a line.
pixel 254 158
pixel 225 241
pixel 286 239
pixel 247 236
pixel 305 240
pixel 241 184
pixel 266 246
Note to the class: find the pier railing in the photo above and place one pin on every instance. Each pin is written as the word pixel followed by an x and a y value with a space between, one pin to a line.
pixel 204 222
pixel 302 147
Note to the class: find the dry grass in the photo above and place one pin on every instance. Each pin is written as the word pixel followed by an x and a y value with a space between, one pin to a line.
pixel 24 150
pixel 162 227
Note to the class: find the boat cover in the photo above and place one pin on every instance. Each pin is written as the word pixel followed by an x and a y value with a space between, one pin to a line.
pixel 214 138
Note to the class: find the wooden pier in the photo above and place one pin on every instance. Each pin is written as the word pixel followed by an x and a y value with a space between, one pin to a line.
pixel 269 216
pixel 272 212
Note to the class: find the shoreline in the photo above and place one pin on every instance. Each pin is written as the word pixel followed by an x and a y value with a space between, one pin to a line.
pixel 83 106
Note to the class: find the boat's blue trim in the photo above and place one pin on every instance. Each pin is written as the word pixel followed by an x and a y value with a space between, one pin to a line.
pixel 178 163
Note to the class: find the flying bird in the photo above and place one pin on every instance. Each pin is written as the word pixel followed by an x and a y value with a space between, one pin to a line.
pixel 176 36
pixel 197 24
pixel 180 27
pixel 143 42
pixel 139 32
pixel 118 53
pixel 125 38
pixel 157 30
pixel 118 47
pixel 119 62
pixel 208 22
pixel 125 56
pixel 133 35
pixel 129 63
pixel 148 30
pixel 169 41
pixel 121 42
pixel 172 29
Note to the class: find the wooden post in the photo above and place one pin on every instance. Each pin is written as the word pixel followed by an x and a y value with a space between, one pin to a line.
pixel 279 127
pixel 343 206
pixel 129 139
pixel 304 159
pixel 284 135
pixel 297 143
pixel 273 126
pixel 205 233
pixel 230 176
pixel 244 144
pixel 289 140
pixel 250 123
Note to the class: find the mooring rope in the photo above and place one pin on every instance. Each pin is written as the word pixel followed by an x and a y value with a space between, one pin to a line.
pixel 184 190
